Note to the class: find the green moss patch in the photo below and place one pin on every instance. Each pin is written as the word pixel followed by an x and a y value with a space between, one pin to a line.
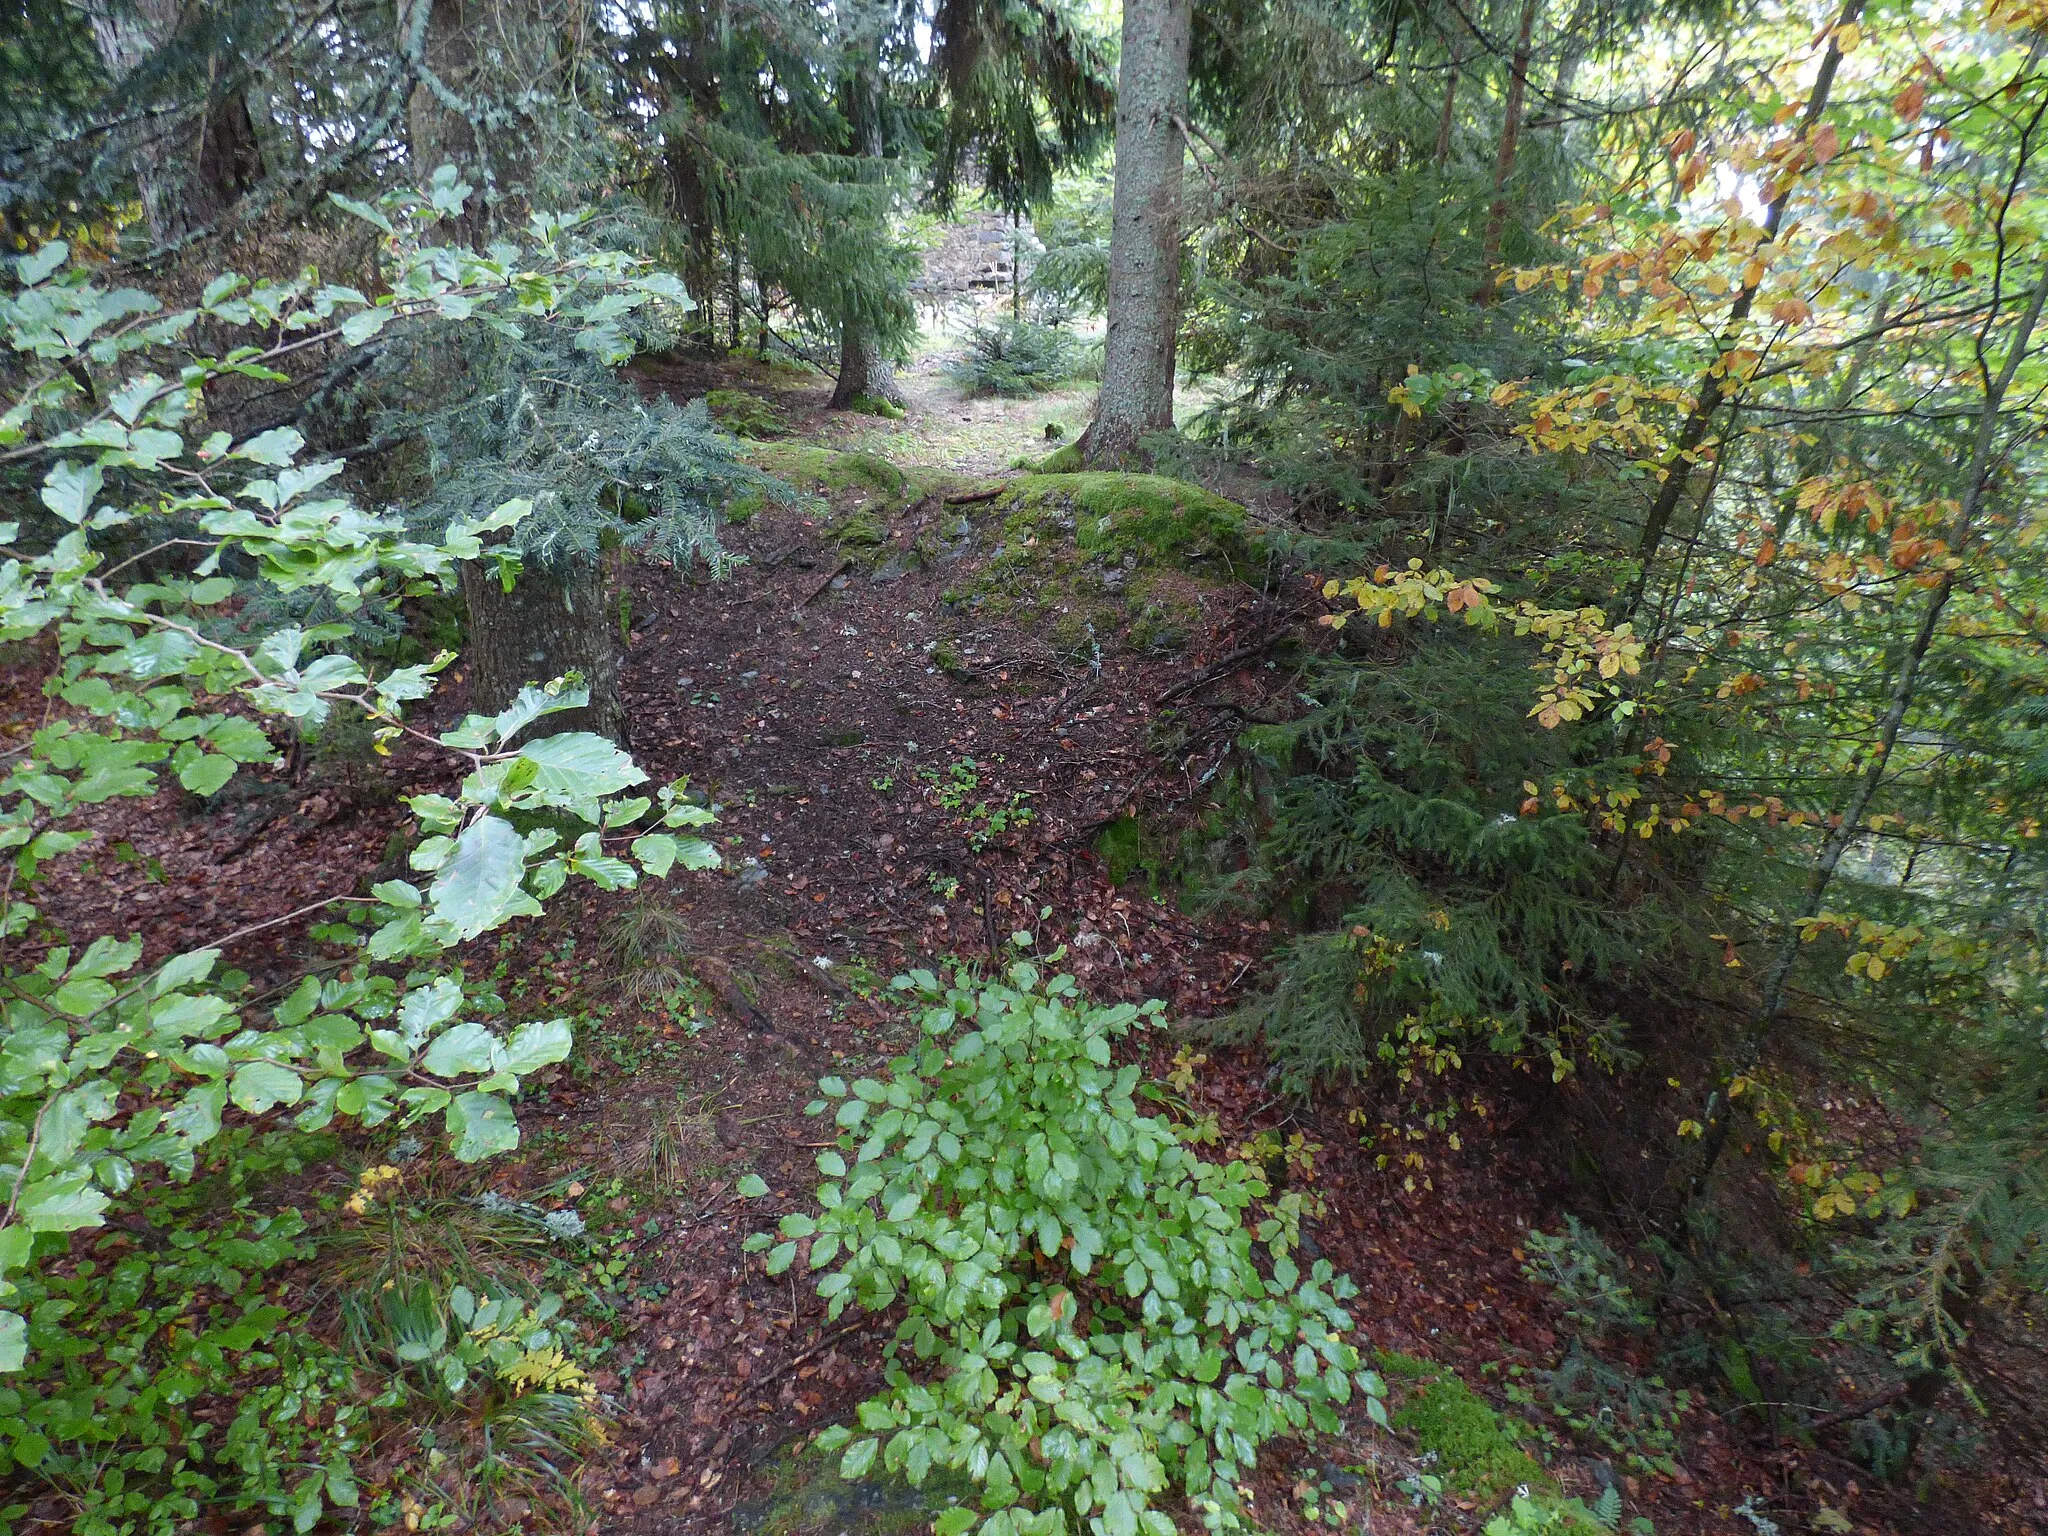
pixel 1479 1455
pixel 1161 521
pixel 1112 557
pixel 827 469
pixel 875 405
pixel 865 494
pixel 744 414
pixel 1061 461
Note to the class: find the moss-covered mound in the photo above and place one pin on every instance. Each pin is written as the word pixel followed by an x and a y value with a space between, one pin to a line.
pixel 1106 558
pixel 1161 521
pixel 1480 1457
pixel 825 470
pixel 807 1497
pixel 744 414
pixel 865 493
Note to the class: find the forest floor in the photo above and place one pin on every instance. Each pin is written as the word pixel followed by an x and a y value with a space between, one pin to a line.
pixel 911 766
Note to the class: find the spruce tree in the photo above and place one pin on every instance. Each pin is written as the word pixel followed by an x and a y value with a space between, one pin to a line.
pixel 1144 249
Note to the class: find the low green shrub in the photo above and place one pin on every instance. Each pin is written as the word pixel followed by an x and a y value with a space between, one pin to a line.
pixel 1016 358
pixel 1630 1417
pixel 161 1363
pixel 1087 1319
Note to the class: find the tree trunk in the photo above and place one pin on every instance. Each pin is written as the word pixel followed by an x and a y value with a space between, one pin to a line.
pixel 193 160
pixel 553 622
pixel 1448 119
pixel 866 373
pixel 696 87
pixel 1144 247
pixel 1711 393
pixel 1850 824
pixel 437 120
pixel 1504 161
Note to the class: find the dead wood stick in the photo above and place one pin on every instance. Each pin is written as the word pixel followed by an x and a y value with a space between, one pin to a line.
pixel 830 576
pixel 1223 666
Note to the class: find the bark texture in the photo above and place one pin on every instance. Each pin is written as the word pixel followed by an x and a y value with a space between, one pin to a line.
pixel 866 371
pixel 1144 246
pixel 438 126
pixel 194 159
pixel 1504 159
pixel 692 85
pixel 550 623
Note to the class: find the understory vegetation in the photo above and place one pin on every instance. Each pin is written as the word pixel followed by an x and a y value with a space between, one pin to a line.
pixel 1453 794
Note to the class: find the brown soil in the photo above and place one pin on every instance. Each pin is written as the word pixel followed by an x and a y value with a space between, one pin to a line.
pixel 805 699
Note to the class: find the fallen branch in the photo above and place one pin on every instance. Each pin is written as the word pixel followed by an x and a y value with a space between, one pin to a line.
pixel 963 498
pixel 1223 666
pixel 830 576
pixel 1868 1406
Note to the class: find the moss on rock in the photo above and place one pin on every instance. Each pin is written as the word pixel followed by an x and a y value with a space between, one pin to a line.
pixel 1159 520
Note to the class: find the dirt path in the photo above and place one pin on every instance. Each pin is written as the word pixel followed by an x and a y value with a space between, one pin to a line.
pixel 902 776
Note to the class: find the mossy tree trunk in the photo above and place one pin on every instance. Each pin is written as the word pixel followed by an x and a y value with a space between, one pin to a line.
pixel 866 372
pixel 551 623
pixel 1144 246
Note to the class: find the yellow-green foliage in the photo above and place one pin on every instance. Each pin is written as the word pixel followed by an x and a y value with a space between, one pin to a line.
pixel 1478 1453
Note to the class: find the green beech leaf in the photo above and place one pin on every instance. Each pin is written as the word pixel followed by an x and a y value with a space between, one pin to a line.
pixel 41 262
pixel 207 775
pixel 461 1048
pixel 476 889
pixel 858 1458
pixel 261 1085
pixel 61 1204
pixel 277 447
pixel 481 1125
pixel 538 1044
pixel 578 766
pixel 69 490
